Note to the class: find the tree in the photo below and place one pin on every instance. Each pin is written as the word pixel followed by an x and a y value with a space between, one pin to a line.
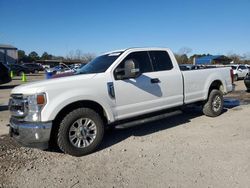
pixel 21 54
pixel 46 56
pixel 87 57
pixel 235 58
pixel 33 56
pixel 79 56
pixel 181 59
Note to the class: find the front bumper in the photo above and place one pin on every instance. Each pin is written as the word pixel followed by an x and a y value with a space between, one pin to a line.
pixel 31 134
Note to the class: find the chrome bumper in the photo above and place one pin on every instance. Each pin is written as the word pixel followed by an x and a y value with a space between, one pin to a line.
pixel 31 134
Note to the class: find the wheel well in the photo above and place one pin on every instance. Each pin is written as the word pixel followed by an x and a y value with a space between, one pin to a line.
pixel 79 104
pixel 217 84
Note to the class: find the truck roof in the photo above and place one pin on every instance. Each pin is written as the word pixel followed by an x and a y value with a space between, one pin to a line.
pixel 136 48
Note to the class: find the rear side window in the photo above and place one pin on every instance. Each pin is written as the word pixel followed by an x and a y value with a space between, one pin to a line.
pixel 141 58
pixel 160 60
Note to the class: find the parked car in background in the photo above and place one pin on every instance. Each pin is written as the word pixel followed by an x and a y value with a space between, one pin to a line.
pixel 247 82
pixel 46 67
pixel 81 66
pixel 240 71
pixel 4 74
pixel 19 69
pixel 74 66
pixel 33 67
pixel 61 68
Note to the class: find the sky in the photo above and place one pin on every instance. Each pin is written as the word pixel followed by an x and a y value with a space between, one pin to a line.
pixel 97 26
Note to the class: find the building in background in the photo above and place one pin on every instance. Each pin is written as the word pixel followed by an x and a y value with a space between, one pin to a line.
pixel 212 60
pixel 8 54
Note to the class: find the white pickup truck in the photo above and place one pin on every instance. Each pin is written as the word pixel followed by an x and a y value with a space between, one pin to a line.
pixel 116 87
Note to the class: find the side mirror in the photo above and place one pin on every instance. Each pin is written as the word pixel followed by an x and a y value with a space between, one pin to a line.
pixel 130 70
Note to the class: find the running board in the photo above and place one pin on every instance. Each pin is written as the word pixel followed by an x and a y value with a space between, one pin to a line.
pixel 147 119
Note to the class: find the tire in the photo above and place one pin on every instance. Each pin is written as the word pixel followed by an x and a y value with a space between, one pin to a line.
pixel 214 105
pixel 75 129
pixel 236 78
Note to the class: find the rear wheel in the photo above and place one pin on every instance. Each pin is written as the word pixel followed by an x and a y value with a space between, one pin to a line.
pixel 214 105
pixel 80 132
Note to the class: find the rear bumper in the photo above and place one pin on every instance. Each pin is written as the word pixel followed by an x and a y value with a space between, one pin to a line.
pixel 30 134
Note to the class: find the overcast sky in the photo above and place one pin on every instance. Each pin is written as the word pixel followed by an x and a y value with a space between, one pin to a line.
pixel 59 26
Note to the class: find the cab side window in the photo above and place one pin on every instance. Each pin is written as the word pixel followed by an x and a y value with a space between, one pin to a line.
pixel 141 60
pixel 160 60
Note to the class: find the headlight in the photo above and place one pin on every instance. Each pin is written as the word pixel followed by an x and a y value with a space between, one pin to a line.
pixel 35 104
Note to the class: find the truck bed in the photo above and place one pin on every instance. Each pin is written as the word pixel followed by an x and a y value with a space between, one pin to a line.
pixel 196 82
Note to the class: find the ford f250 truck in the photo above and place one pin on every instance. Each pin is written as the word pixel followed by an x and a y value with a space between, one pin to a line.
pixel 115 88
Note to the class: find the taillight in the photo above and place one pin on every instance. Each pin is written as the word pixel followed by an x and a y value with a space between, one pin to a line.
pixel 232 75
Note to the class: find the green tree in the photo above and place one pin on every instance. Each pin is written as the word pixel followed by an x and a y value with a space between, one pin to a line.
pixel 21 54
pixel 181 59
pixel 46 56
pixel 33 56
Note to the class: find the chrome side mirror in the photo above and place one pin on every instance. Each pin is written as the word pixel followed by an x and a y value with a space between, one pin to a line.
pixel 130 70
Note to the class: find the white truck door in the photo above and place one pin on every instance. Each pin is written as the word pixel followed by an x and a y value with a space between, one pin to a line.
pixel 170 79
pixel 135 95
pixel 145 93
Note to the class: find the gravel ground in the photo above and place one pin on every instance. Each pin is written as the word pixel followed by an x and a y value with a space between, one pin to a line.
pixel 185 150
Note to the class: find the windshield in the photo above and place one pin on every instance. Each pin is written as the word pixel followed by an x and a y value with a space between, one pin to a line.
pixel 99 64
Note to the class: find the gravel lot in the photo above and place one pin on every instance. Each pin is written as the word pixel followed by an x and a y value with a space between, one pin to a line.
pixel 185 150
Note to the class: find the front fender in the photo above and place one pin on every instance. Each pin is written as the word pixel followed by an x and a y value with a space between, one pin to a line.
pixel 56 103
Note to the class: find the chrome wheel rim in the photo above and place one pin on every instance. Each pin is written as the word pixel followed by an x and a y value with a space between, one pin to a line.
pixel 216 104
pixel 82 132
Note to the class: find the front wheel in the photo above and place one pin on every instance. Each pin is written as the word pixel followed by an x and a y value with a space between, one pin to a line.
pixel 80 132
pixel 214 105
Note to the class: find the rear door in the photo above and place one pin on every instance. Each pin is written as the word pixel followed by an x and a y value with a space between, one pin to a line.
pixel 170 79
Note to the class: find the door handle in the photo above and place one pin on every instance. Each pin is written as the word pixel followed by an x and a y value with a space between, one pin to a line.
pixel 154 80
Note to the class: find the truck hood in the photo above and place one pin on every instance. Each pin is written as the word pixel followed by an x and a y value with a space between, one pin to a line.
pixel 43 86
